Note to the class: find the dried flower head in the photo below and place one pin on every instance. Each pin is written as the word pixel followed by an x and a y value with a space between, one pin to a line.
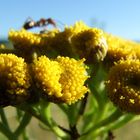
pixel 61 80
pixel 15 79
pixel 124 85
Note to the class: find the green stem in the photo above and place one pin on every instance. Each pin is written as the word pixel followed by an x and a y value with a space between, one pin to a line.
pixel 24 122
pixel 82 106
pixel 25 136
pixel 3 118
pixel 4 126
pixel 47 118
pixel 94 92
pixel 113 117
pixel 120 122
pixel 30 110
pixel 7 132
pixel 73 113
pixel 116 124
pixel 73 121
pixel 43 114
pixel 76 111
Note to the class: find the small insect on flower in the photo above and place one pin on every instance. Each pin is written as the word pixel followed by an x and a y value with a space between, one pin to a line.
pixel 30 23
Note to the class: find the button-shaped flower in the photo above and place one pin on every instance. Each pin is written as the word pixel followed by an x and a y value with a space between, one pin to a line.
pixel 124 85
pixel 14 79
pixel 60 80
pixel 47 74
pixel 118 49
pixel 24 40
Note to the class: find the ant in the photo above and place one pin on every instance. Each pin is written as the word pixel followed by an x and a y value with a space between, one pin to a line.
pixel 30 23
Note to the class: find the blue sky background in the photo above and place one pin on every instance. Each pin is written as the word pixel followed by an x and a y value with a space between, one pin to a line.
pixel 121 17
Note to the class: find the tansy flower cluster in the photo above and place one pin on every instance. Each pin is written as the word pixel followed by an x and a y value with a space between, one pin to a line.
pixel 60 80
pixel 78 40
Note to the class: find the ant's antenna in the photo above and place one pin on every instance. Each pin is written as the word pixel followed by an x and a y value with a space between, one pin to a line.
pixel 61 25
pixel 28 19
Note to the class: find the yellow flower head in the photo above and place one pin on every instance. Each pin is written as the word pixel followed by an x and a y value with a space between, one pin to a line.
pixel 77 27
pixel 24 39
pixel 136 49
pixel 124 85
pixel 52 40
pixel 90 44
pixel 47 39
pixel 61 80
pixel 15 79
pixel 118 49
pixel 47 74
pixel 26 43
pixel 61 42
